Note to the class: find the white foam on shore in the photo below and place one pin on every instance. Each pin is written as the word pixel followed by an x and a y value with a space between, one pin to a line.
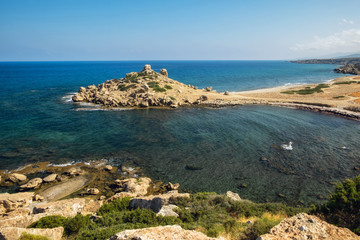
pixel 68 97
pixel 62 165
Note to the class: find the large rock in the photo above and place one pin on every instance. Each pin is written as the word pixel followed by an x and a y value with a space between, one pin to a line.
pixel 156 202
pixel 304 226
pixel 50 178
pixel 67 207
pixel 10 202
pixel 32 184
pixel 17 177
pixel 164 72
pixel 174 232
pixel 233 196
pixel 14 233
pixel 136 186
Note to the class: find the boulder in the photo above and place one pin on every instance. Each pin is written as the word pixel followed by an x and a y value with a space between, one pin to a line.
pixel 174 232
pixel 10 202
pixel 164 72
pixel 233 196
pixel 50 178
pixel 38 198
pixel 168 211
pixel 156 202
pixel 171 186
pixel 108 168
pixel 208 89
pixel 17 177
pixel 304 226
pixel 92 191
pixel 14 233
pixel 91 207
pixel 32 184
pixel 135 186
pixel 226 93
pixel 74 172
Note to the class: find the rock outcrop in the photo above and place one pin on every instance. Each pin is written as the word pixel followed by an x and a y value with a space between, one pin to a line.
pixel 141 89
pixel 14 233
pixel 174 232
pixel 304 226
pixel 11 202
pixel 17 177
pixel 32 184
pixel 349 69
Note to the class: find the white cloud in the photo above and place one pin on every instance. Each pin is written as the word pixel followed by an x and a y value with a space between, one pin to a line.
pixel 345 40
pixel 348 21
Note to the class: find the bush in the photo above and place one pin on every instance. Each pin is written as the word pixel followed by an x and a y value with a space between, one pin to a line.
pixel 168 87
pixel 260 227
pixel 73 225
pixel 50 222
pixel 117 205
pixel 308 90
pixel 28 236
pixel 343 207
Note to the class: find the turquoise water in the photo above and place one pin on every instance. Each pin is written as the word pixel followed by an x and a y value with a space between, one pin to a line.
pixel 39 123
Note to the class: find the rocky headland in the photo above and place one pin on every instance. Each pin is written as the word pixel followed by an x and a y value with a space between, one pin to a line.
pixel 144 89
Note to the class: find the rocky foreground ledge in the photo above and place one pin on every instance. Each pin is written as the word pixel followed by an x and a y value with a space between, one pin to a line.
pixel 146 89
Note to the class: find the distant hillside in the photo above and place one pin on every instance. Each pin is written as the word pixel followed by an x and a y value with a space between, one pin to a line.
pixel 337 61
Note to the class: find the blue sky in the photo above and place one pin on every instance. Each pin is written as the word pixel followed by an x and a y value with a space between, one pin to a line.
pixel 61 30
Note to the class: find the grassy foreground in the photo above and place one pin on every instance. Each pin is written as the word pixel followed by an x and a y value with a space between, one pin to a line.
pixel 211 214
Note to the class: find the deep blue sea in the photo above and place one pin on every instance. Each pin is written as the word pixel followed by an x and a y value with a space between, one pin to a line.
pixel 38 122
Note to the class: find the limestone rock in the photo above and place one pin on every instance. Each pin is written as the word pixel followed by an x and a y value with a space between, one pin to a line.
pixel 120 195
pixel 39 198
pixel 92 191
pixel 91 207
pixel 32 184
pixel 66 208
pixel 50 178
pixel 74 172
pixel 226 93
pixel 10 202
pixel 304 226
pixel 233 196
pixel 108 168
pixel 14 233
pixel 168 211
pixel 208 89
pixel 17 177
pixel 164 72
pixel 174 232
pixel 156 202
pixel 171 186
pixel 138 187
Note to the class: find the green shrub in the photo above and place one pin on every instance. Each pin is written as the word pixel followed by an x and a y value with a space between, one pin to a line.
pixel 156 87
pixel 117 205
pixel 73 225
pixel 260 227
pixel 172 98
pixel 345 82
pixel 50 222
pixel 308 90
pixel 28 236
pixel 140 216
pixel 343 207
pixel 125 87
pixel 337 97
pixel 168 87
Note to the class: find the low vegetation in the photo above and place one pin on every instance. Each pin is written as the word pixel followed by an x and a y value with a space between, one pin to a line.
pixel 28 236
pixel 156 87
pixel 125 87
pixel 345 82
pixel 343 207
pixel 308 90
pixel 338 97
pixel 207 212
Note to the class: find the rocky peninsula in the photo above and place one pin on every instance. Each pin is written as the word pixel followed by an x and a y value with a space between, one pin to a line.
pixel 144 89
pixel 150 89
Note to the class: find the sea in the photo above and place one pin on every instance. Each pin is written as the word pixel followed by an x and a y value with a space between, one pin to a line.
pixel 233 148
